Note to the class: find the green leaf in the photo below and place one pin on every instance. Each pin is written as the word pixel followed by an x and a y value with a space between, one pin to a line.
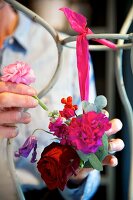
pixel 105 142
pixel 94 162
pixel 88 164
pixel 103 150
pixel 83 157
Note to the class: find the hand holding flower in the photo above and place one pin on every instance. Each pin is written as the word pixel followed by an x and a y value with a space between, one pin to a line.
pixel 16 94
pixel 20 72
pixel 114 145
pixel 13 98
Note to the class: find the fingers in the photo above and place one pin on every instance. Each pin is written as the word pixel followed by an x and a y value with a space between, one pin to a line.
pixel 110 160
pixel 13 98
pixel 17 100
pixel 17 95
pixel 14 116
pixel 8 132
pixel 9 118
pixel 115 145
pixel 116 126
pixel 17 88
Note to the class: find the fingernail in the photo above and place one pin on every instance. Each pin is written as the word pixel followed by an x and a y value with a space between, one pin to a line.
pixel 118 124
pixel 114 162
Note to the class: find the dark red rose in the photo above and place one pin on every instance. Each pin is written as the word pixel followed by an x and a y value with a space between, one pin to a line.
pixel 57 164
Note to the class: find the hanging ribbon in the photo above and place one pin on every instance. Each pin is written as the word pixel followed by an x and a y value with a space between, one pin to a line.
pixel 78 23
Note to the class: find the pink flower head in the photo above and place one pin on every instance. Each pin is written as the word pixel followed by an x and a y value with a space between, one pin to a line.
pixel 18 72
pixel 85 133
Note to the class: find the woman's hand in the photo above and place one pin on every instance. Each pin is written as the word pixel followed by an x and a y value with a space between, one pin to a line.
pixel 114 144
pixel 110 160
pixel 13 98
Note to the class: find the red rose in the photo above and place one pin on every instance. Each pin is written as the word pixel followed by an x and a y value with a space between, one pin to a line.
pixel 57 164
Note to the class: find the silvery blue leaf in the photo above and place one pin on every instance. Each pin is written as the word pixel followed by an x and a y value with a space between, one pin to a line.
pixel 100 102
pixel 87 107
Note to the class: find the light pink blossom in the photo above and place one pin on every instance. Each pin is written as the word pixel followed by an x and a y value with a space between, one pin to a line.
pixel 18 72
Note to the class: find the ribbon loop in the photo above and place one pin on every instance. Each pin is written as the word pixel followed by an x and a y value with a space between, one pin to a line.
pixel 78 23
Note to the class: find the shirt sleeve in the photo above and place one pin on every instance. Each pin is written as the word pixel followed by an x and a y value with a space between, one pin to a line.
pixel 86 190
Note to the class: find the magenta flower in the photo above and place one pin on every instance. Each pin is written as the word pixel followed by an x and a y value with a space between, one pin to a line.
pixel 18 72
pixel 85 132
pixel 29 145
pixel 54 126
pixel 59 129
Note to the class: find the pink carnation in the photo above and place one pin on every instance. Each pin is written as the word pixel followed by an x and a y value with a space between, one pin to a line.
pixel 18 72
pixel 85 133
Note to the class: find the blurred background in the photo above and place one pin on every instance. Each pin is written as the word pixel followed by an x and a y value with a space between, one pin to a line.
pixel 106 16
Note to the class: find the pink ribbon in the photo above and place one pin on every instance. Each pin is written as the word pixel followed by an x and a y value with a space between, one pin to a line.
pixel 78 23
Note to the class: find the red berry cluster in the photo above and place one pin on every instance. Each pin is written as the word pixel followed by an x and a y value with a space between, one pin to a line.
pixel 68 103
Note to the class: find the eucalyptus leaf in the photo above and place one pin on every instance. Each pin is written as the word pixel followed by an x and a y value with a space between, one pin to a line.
pixel 88 164
pixel 88 107
pixel 105 142
pixel 103 150
pixel 83 157
pixel 94 162
pixel 100 102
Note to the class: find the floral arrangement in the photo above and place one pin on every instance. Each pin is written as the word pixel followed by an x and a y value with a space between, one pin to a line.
pixel 82 142
pixel 81 139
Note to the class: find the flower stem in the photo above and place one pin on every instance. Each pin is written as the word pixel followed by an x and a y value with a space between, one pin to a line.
pixel 41 103
pixel 40 129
